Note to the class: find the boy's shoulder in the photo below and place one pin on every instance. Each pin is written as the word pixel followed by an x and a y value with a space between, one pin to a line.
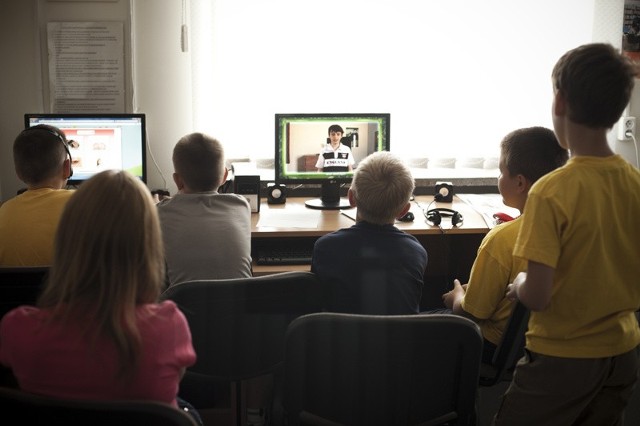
pixel 504 234
pixel 580 169
pixel 52 196
pixel 231 198
pixel 364 233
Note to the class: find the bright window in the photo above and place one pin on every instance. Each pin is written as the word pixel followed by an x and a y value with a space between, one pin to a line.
pixel 456 76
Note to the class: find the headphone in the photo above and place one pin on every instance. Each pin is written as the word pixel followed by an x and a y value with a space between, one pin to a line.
pixel 61 138
pixel 434 216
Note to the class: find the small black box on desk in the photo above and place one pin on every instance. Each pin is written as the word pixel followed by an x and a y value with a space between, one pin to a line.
pixel 249 187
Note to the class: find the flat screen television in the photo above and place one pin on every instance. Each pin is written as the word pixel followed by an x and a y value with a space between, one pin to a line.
pixel 304 154
pixel 99 142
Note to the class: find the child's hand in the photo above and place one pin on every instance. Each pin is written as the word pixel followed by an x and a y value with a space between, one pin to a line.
pixel 160 194
pixel 512 291
pixel 450 297
pixel 458 287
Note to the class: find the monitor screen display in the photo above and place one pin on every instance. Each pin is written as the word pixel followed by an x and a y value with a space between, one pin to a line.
pixel 99 142
pixel 326 148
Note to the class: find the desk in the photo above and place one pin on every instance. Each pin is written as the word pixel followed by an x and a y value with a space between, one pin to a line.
pixel 451 251
pixel 331 220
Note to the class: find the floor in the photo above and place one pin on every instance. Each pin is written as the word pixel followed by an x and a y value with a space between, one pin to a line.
pixel 217 417
pixel 488 402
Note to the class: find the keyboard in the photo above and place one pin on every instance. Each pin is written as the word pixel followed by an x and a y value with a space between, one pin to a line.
pixel 284 255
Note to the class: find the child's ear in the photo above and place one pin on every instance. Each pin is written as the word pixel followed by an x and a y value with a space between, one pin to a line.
pixel 224 176
pixel 405 210
pixel 524 184
pixel 352 199
pixel 559 104
pixel 178 180
pixel 66 168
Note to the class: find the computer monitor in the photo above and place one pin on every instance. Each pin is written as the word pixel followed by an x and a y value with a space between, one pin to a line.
pixel 303 152
pixel 99 142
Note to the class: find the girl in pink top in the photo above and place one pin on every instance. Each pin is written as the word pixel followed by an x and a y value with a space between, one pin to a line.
pixel 98 331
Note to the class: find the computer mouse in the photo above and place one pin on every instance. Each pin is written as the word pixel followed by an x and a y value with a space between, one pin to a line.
pixel 502 217
pixel 408 217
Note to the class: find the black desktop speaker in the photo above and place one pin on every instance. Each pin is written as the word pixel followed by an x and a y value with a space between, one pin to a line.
pixel 444 192
pixel 248 187
pixel 434 217
pixel 276 193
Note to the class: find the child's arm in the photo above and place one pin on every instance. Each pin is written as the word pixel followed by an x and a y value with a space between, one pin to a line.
pixel 453 300
pixel 533 288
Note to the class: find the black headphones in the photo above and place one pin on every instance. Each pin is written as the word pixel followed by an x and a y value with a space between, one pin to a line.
pixel 434 216
pixel 61 138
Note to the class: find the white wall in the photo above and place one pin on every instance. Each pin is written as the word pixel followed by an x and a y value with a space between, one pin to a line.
pixel 161 87
pixel 162 76
pixel 19 82
pixel 24 52
pixel 161 82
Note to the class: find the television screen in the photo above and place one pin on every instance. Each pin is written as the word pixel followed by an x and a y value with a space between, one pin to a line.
pixel 99 142
pixel 326 148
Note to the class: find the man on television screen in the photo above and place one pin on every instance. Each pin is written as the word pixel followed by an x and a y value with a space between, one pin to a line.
pixel 335 156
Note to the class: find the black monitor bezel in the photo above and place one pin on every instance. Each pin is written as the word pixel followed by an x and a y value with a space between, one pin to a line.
pixel 141 116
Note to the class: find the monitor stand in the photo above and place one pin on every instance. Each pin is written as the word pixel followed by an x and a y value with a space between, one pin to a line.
pixel 329 199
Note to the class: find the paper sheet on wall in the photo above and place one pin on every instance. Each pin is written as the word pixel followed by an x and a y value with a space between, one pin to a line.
pixel 86 66
pixel 487 205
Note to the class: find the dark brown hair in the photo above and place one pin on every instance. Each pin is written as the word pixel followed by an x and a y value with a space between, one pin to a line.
pixel 39 153
pixel 596 81
pixel 532 152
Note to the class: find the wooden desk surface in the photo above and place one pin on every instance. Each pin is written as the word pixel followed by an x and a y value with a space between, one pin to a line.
pixel 276 223
pixel 294 219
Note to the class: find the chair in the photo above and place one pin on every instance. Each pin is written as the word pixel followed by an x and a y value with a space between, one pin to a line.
pixel 509 350
pixel 31 409
pixel 347 369
pixel 20 286
pixel 238 325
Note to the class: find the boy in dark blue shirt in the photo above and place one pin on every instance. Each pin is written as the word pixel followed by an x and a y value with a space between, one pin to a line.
pixel 373 267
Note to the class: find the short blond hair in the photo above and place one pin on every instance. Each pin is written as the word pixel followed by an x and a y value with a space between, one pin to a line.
pixel 382 185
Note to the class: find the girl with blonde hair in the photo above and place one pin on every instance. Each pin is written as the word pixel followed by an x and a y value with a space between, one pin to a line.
pixel 98 330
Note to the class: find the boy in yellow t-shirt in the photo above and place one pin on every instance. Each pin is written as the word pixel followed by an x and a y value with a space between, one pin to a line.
pixel 580 237
pixel 525 156
pixel 28 221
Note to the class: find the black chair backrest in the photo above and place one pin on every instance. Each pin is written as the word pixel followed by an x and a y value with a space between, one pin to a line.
pixel 20 286
pixel 238 325
pixel 346 369
pixel 510 348
pixel 30 409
